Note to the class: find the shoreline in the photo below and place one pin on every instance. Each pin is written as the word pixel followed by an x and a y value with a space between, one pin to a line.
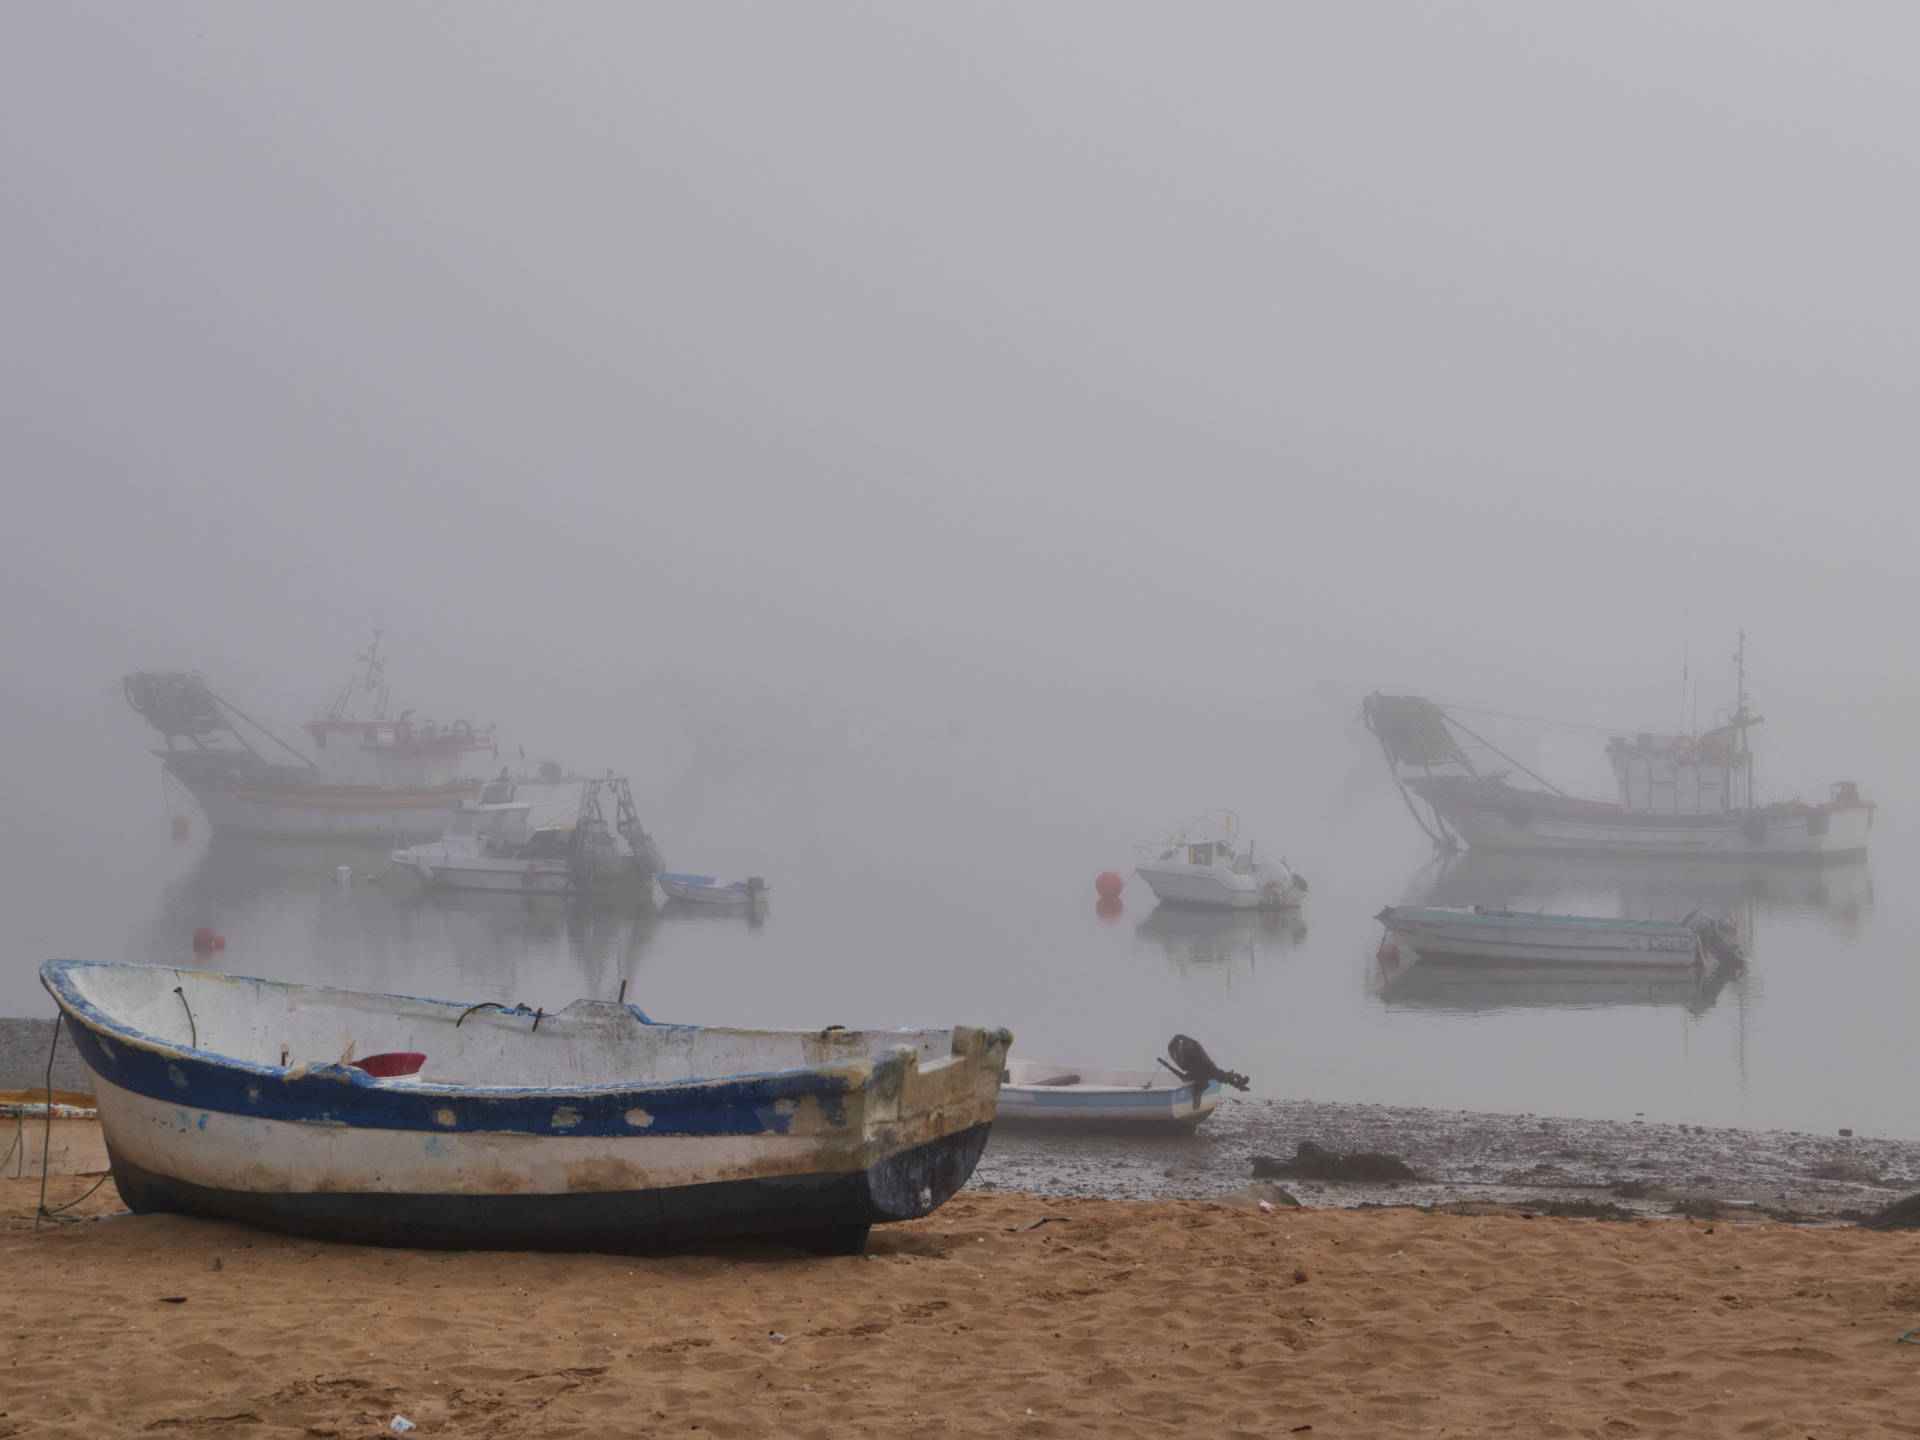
pixel 1466 1157
pixel 1460 1157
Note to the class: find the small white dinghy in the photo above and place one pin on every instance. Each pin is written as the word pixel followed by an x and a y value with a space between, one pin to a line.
pixel 591 1128
pixel 1033 1093
pixel 1201 865
pixel 707 890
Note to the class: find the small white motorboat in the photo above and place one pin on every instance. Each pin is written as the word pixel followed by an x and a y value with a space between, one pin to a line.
pixel 1477 932
pixel 1201 865
pixel 590 1128
pixel 707 890
pixel 1032 1093
pixel 560 843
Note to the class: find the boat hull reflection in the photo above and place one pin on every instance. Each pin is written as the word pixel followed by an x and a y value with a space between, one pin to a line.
pixel 1473 985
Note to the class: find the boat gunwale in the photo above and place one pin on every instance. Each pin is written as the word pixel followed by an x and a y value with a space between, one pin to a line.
pixel 837 1077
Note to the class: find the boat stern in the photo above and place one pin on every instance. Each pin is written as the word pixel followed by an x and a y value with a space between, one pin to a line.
pixel 927 1120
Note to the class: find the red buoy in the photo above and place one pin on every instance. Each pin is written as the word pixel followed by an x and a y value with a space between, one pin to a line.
pixel 1107 885
pixel 1388 953
pixel 1109 907
pixel 203 939
pixel 219 942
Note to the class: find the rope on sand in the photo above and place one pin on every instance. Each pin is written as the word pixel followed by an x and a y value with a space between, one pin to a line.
pixel 46 1135
pixel 1902 1338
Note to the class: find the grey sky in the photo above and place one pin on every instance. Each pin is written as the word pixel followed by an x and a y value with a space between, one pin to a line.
pixel 1080 362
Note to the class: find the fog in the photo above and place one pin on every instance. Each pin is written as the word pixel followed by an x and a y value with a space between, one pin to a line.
pixel 976 432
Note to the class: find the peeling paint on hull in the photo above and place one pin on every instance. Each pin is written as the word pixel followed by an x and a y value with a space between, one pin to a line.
pixel 618 1134
pixel 829 1213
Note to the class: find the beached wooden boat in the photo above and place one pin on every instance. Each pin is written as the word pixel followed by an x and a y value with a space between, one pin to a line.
pixel 1033 1093
pixel 460 1126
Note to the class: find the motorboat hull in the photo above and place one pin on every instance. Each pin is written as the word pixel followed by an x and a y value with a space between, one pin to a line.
pixel 702 890
pixel 1104 1099
pixel 871 1127
pixel 522 877
pixel 1429 933
pixel 1211 887
pixel 1503 818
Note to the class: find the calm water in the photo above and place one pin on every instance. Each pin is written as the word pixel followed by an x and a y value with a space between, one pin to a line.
pixel 904 896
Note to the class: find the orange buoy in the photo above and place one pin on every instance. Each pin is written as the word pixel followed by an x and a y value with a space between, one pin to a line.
pixel 1108 885
pixel 219 942
pixel 182 827
pixel 1389 952
pixel 1109 907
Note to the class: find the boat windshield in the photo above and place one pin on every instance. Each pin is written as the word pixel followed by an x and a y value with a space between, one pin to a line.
pixel 497 830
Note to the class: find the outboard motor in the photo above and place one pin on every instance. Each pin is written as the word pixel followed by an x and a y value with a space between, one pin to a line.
pixel 1188 1059
pixel 1717 937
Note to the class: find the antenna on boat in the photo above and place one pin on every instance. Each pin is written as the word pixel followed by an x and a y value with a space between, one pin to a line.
pixel 1740 713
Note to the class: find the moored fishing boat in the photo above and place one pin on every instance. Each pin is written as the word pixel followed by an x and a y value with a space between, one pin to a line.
pixel 1678 793
pixel 1477 932
pixel 593 1127
pixel 367 773
pixel 1202 866
pixel 555 839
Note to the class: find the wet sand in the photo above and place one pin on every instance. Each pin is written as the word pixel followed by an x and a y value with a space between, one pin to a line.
pixel 1111 1318
pixel 1464 1156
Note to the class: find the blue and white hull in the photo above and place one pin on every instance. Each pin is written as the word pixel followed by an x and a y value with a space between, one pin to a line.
pixel 707 890
pixel 591 1128
pixel 1072 1095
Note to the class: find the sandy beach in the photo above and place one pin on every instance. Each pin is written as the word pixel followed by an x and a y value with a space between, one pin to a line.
pixel 1000 1314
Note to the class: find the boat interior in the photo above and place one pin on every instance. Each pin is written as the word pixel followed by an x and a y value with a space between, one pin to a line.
pixel 1039 1073
pixel 591 1043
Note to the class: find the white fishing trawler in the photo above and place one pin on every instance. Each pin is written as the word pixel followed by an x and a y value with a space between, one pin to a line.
pixel 541 838
pixel 1679 793
pixel 366 772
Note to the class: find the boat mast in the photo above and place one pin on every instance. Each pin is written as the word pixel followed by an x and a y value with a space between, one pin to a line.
pixel 1740 716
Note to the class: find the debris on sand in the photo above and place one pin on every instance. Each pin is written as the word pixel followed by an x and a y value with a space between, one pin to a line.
pixel 1589 1210
pixel 1316 1162
pixel 1901 1215
pixel 1248 1197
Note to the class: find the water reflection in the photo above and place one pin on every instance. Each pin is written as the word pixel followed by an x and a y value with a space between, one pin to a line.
pixel 1834 899
pixel 288 913
pixel 1491 985
pixel 1210 940
pixel 753 914
pixel 1646 888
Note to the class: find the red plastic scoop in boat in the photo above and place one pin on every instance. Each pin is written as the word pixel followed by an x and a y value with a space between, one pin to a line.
pixel 392 1062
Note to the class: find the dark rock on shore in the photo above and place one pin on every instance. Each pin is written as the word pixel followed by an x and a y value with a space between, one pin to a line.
pixel 1316 1162
pixel 1901 1215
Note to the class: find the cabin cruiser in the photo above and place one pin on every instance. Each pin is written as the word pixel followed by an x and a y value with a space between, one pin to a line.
pixel 550 838
pixel 1201 865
